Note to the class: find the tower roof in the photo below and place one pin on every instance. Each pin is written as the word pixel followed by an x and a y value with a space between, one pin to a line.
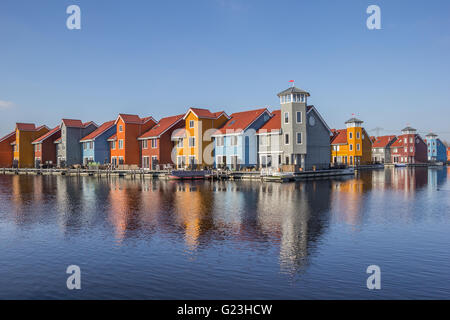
pixel 409 129
pixel 293 90
pixel 431 135
pixel 354 120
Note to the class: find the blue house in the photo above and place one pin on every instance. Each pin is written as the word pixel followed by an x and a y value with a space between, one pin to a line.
pixel 437 151
pixel 235 143
pixel 95 146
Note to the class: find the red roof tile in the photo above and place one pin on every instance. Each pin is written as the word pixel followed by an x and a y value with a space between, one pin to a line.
pixel 274 124
pixel 399 142
pixel 340 137
pixel 9 135
pixel 26 126
pixel 113 137
pixel 58 140
pixel 133 119
pixel 383 141
pixel 239 121
pixel 99 131
pixel 45 136
pixel 205 113
pixel 74 123
pixel 163 125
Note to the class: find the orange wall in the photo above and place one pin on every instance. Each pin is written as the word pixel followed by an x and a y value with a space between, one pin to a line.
pixel 24 149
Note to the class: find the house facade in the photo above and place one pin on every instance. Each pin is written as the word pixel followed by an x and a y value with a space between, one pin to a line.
pixel 156 144
pixel 448 154
pixel 26 133
pixel 351 146
pixel 436 149
pixel 381 149
pixel 45 149
pixel 69 150
pixel 194 146
pixel 7 150
pixel 409 148
pixel 95 146
pixel 124 144
pixel 236 143
pixel 269 138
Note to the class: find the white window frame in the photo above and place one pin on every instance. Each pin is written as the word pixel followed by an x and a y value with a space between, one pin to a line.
pixel 121 144
pixel 301 117
pixel 191 124
pixel 350 135
pixel 284 118
pixel 220 141
pixel 350 147
pixel 358 147
pixel 191 142
pixel 144 144
pixel 288 138
pixel 357 135
pixel 180 143
pixel 301 138
pixel 121 128
pixel 154 143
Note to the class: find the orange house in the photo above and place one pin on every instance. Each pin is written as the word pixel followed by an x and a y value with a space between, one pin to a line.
pixel 124 144
pixel 26 133
pixel 6 150
pixel 194 145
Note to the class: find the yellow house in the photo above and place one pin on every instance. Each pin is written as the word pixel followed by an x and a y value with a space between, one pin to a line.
pixel 194 145
pixel 351 146
pixel 26 133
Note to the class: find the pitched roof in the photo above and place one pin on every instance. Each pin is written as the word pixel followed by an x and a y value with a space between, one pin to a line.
pixel 293 90
pixel 339 137
pixel 99 131
pixel 240 121
pixel 26 126
pixel 205 113
pixel 133 119
pixel 400 141
pixel 47 135
pixel 274 124
pixel 113 137
pixel 74 123
pixel 383 141
pixel 162 126
pixel 9 135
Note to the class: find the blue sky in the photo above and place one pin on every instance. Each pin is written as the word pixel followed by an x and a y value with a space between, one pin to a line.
pixel 160 57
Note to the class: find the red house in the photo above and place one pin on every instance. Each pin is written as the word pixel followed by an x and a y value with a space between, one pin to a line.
pixel 45 148
pixel 7 150
pixel 409 148
pixel 157 145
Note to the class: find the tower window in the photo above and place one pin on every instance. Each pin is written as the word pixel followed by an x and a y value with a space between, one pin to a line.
pixel 350 135
pixel 286 117
pixel 286 138
pixel 299 117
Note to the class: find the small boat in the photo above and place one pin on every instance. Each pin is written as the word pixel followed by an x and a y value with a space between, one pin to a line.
pixel 189 175
pixel 400 165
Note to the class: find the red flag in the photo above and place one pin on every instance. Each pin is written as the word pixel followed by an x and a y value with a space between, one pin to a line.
pixel 291 81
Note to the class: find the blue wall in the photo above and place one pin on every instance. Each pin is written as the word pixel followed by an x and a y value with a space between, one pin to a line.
pixel 436 150
pixel 100 151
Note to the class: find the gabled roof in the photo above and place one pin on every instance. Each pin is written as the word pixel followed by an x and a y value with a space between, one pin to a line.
pixel 293 90
pixel 75 123
pixel 240 121
pixel 161 127
pixel 9 135
pixel 47 135
pixel 26 126
pixel 383 141
pixel 339 136
pixel 99 131
pixel 310 108
pixel 205 113
pixel 113 137
pixel 133 119
pixel 400 140
pixel 273 125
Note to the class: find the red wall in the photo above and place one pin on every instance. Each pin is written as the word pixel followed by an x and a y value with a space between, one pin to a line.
pixel 6 152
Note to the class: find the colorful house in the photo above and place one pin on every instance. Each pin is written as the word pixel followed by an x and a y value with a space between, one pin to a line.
pixel 351 146
pixel 381 149
pixel 437 151
pixel 306 136
pixel 409 148
pixel 7 150
pixel 269 142
pixel 45 149
pixel 157 147
pixel 235 143
pixel 194 145
pixel 95 146
pixel 448 154
pixel 69 150
pixel 26 133
pixel 124 144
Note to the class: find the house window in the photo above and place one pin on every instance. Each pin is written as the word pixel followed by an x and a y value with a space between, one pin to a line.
pixel 91 145
pixel 120 159
pixel 411 140
pixel 357 135
pixel 286 117
pixel 350 135
pixel 406 149
pixel 299 117
pixel 145 162
pixel 234 141
pixel 286 138
pixel 154 143
pixel 351 147
pixel 121 128
pixel 192 142
pixel 85 145
pixel 120 144
pixel 405 140
pixel 191 124
pixel 299 138
pixel 219 141
pixel 113 145
pixel 144 145
pixel 180 143
pixel 358 147
pixel 411 149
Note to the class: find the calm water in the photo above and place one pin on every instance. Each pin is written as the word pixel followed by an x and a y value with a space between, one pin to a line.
pixel 202 240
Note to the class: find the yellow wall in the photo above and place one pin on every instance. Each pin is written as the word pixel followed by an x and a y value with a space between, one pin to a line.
pixel 364 152
pixel 24 151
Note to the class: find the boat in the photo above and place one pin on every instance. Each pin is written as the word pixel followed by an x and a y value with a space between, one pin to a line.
pixel 190 175
pixel 400 165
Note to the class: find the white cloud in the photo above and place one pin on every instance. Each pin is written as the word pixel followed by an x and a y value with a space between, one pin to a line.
pixel 5 104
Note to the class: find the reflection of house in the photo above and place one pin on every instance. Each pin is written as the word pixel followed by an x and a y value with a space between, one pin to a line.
pixel 381 149
pixel 156 144
pixel 235 143
pixel 45 149
pixel 6 150
pixel 96 146
pixel 351 146
pixel 124 145
pixel 436 148
pixel 194 145
pixel 409 148
pixel 26 133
